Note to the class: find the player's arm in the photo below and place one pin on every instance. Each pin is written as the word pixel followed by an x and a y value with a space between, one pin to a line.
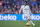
pixel 20 10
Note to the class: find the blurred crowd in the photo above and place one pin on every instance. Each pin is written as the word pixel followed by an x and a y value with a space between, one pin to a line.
pixel 13 6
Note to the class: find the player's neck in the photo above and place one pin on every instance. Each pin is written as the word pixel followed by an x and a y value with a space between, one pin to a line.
pixel 25 5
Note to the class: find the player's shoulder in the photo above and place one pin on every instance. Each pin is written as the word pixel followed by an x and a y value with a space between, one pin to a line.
pixel 27 5
pixel 22 5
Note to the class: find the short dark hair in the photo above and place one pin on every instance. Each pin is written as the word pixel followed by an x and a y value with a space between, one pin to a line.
pixel 26 1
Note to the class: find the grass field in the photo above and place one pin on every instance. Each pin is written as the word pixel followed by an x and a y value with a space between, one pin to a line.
pixel 17 24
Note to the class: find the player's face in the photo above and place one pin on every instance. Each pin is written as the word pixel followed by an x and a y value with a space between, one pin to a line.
pixel 25 3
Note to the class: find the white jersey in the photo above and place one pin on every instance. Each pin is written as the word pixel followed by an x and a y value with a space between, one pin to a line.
pixel 26 9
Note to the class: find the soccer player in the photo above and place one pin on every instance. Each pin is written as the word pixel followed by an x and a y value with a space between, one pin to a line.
pixel 26 12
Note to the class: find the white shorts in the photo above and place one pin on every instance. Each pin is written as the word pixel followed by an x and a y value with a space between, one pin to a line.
pixel 27 16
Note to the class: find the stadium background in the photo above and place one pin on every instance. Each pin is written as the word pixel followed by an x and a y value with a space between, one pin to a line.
pixel 13 6
pixel 9 13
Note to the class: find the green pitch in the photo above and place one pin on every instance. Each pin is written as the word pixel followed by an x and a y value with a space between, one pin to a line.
pixel 17 24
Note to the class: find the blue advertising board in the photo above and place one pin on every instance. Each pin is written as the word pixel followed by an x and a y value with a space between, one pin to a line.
pixel 18 17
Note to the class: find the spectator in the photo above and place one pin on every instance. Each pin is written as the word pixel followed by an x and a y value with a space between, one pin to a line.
pixel 13 10
pixel 5 7
pixel 35 2
pixel 7 2
pixel 16 12
pixel 22 2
